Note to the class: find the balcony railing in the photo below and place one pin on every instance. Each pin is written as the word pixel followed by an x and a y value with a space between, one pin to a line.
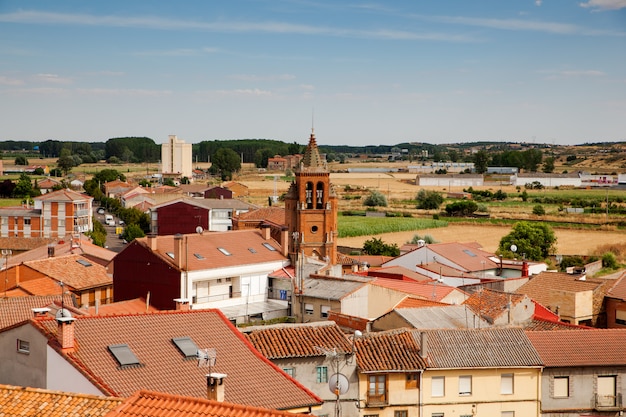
pixel 608 402
pixel 376 400
pixel 81 213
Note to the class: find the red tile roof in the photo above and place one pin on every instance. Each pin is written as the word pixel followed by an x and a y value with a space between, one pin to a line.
pixel 538 324
pixel 618 290
pixel 251 378
pixel 274 215
pixel 137 305
pixel 36 402
pixel 427 290
pixel 595 347
pixel 481 348
pixel 245 247
pixel 71 270
pixel 156 404
pixel 491 303
pixel 18 309
pixel 63 195
pixel 412 302
pixel 297 340
pixel 393 350
pixel 41 286
pixel 540 286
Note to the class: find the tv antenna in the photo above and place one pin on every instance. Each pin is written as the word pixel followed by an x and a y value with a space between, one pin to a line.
pixel 207 358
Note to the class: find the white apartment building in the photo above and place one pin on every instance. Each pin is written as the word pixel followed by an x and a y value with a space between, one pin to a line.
pixel 176 158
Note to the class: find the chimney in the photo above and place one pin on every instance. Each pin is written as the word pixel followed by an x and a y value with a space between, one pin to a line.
pixel 266 231
pixel 525 269
pixel 40 313
pixel 65 332
pixel 423 344
pixel 182 304
pixel 284 240
pixel 152 242
pixel 215 386
pixel 179 253
pixel 50 251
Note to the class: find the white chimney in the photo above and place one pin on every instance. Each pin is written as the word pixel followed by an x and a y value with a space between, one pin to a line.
pixel 215 386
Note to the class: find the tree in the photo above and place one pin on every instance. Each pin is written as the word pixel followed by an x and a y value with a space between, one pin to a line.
pixel 548 165
pixel 539 210
pixel 99 234
pixel 376 198
pixel 21 160
pixel 532 159
pixel 375 246
pixel 6 188
pixel 131 232
pixel 534 241
pixel 461 208
pixel 24 187
pixel 428 200
pixel 66 162
pixel 481 161
pixel 226 162
pixel 39 171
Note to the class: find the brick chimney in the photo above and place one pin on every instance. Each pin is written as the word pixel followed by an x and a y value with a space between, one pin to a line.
pixel 179 251
pixel 215 386
pixel 266 231
pixel 182 304
pixel 40 313
pixel 152 242
pixel 284 240
pixel 65 333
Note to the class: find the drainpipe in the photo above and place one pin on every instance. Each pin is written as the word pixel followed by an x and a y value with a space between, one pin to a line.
pixel 421 382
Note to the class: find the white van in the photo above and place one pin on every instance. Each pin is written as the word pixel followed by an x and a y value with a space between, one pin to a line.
pixel 108 220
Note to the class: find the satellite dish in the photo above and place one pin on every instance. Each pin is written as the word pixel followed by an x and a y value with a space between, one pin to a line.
pixel 63 312
pixel 199 230
pixel 338 384
pixel 513 248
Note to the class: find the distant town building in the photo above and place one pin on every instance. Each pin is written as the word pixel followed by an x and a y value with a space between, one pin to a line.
pixel 176 158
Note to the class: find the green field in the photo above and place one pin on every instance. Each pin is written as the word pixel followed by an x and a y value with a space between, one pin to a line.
pixel 352 226
pixel 10 202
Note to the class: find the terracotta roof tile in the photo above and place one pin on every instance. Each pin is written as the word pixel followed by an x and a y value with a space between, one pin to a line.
pixel 35 402
pixel 479 348
pixel 540 286
pixel 275 215
pixel 41 286
pixel 538 324
pixel 137 305
pixel 396 350
pixel 251 378
pixel 618 290
pixel 594 347
pixel 244 246
pixel 427 290
pixel 413 302
pixel 397 272
pixel 76 271
pixel 297 340
pixel 157 404
pixel 63 195
pixel 491 303
pixel 15 310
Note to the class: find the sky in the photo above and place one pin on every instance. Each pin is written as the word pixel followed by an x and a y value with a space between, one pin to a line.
pixel 359 72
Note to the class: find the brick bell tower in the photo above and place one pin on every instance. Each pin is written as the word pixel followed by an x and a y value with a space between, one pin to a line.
pixel 311 209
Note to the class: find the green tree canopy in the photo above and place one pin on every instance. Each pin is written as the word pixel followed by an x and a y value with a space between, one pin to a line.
pixel 21 160
pixel 131 232
pixel 481 161
pixel 225 161
pixel 376 246
pixel 534 241
pixel 428 200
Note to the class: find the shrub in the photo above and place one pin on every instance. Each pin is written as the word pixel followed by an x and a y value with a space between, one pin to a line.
pixel 375 246
pixel 462 208
pixel 375 199
pixel 428 200
pixel 539 210
pixel 609 260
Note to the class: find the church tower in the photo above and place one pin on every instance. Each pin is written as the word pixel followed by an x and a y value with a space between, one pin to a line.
pixel 311 208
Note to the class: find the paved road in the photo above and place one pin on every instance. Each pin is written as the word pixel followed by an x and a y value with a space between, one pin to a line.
pixel 113 242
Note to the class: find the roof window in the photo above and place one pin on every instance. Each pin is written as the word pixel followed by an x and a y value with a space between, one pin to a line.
pixel 224 251
pixel 269 247
pixel 186 346
pixel 170 254
pixel 252 250
pixel 198 256
pixel 83 262
pixel 469 252
pixel 124 356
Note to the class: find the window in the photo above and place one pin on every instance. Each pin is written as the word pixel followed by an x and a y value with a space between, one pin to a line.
pixel 401 413
pixel 324 311
pixel 224 251
pixel 560 387
pixel 606 396
pixel 186 346
pixel 377 389
pixel 308 308
pixel 23 346
pixel 620 316
pixel 322 374
pixel 290 371
pixel 465 385
pixel 124 356
pixel 436 415
pixel 269 247
pixel 370 415
pixel 26 221
pixel 438 386
pixel 506 384
pixel 507 414
pixel 198 256
pixel 411 381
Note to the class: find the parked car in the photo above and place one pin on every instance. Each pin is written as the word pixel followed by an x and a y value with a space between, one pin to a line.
pixel 100 210
pixel 108 220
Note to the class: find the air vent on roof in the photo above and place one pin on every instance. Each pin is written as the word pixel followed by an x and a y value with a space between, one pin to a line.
pixel 198 256
pixel 224 251
pixel 124 356
pixel 186 346
pixel 268 246
pixel 469 252
pixel 83 262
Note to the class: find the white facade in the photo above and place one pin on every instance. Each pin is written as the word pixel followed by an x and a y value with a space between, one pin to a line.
pixel 176 157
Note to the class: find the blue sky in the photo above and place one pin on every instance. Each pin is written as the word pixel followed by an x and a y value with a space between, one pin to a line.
pixel 363 73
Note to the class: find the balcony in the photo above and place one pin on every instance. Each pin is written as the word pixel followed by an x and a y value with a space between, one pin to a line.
pixel 81 213
pixel 607 402
pixel 278 294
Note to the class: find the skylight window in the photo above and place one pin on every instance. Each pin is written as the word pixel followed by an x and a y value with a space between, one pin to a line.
pixel 469 252
pixel 269 247
pixel 186 346
pixel 83 262
pixel 123 355
pixel 198 256
pixel 252 250
pixel 224 251
pixel 170 254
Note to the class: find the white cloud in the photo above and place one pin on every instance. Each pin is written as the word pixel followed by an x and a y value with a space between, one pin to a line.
pixel 604 4
pixel 53 79
pixel 256 92
pixel 10 81
pixel 538 2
